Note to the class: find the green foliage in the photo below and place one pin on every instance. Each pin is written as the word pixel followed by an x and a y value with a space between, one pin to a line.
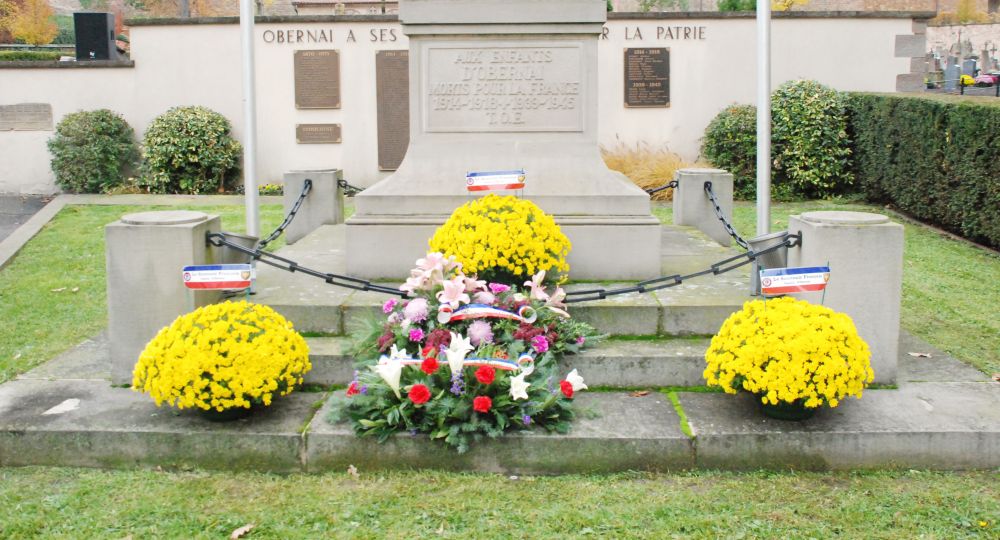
pixel 67 32
pixel 935 159
pixel 811 146
pixel 730 143
pixel 189 150
pixel 33 56
pixel 663 5
pixel 92 151
pixel 737 5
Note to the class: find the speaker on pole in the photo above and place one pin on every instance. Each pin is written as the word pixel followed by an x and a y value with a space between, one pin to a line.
pixel 95 36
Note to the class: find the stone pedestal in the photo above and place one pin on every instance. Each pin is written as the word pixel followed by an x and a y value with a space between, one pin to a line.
pixel 693 207
pixel 865 254
pixel 323 206
pixel 145 254
pixel 500 85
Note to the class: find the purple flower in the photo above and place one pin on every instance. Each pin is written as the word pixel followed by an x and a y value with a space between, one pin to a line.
pixel 416 334
pixel 363 389
pixel 389 305
pixel 498 288
pixel 581 340
pixel 416 310
pixel 457 384
pixel 480 332
pixel 526 419
pixel 540 343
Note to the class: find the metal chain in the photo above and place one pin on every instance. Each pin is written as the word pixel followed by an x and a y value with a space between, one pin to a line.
pixel 725 222
pixel 258 254
pixel 664 282
pixel 349 190
pixel 306 188
pixel 668 185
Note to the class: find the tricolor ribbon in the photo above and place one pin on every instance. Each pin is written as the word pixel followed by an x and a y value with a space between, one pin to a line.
pixel 525 314
pixel 525 361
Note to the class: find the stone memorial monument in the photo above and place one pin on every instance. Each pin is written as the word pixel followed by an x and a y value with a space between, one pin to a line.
pixel 501 85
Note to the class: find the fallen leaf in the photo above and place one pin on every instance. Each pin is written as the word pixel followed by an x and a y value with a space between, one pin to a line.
pixel 353 471
pixel 75 289
pixel 242 531
pixel 440 530
pixel 919 354
pixel 16 356
pixel 996 377
pixel 639 393
pixel 60 289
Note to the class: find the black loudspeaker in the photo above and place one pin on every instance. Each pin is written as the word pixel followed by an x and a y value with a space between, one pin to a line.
pixel 95 36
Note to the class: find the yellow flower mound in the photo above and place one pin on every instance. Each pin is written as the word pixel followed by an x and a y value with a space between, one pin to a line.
pixel 223 356
pixel 788 350
pixel 503 235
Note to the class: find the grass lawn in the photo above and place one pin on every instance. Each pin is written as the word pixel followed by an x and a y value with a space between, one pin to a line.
pixel 79 503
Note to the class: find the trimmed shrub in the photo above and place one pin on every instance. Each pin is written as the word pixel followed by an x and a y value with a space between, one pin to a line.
pixel 34 56
pixel 811 146
pixel 92 151
pixel 189 150
pixel 730 143
pixel 935 158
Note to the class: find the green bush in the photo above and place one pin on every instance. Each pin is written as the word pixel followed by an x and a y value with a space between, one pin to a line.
pixel 737 5
pixel 730 143
pixel 189 150
pixel 92 151
pixel 935 158
pixel 811 146
pixel 15 56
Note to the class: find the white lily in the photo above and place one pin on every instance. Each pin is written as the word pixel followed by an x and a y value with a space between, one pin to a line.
pixel 390 369
pixel 396 354
pixel 456 351
pixel 576 381
pixel 519 387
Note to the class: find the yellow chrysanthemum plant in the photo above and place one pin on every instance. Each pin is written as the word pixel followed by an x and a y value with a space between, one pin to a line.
pixel 222 357
pixel 790 354
pixel 503 239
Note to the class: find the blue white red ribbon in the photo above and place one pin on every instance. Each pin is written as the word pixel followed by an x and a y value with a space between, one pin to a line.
pixel 504 364
pixel 525 314
pixel 487 181
pixel 792 280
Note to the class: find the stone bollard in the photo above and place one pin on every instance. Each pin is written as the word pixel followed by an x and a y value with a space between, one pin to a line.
pixel 145 254
pixel 692 206
pixel 865 253
pixel 324 204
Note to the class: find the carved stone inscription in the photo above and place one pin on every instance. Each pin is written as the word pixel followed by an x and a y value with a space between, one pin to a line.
pixel 392 96
pixel 317 133
pixel 647 77
pixel 317 79
pixel 503 89
pixel 26 117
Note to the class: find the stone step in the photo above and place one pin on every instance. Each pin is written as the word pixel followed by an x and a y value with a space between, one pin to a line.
pixel 612 363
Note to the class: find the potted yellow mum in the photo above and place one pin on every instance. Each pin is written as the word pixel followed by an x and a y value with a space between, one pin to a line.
pixel 792 355
pixel 223 359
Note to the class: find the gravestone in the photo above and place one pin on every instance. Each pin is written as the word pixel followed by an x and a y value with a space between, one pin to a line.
pixel 951 74
pixel 501 85
pixel 969 67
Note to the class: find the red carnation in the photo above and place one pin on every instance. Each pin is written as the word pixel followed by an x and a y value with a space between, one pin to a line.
pixel 419 394
pixel 567 388
pixel 429 365
pixel 486 374
pixel 482 404
pixel 429 351
pixel 352 389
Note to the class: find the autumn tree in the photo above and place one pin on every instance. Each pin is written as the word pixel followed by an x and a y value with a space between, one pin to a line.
pixel 33 23
pixel 8 9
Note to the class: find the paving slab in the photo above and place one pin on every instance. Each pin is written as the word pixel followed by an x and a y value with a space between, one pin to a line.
pixel 117 428
pixel 951 426
pixel 90 360
pixel 330 363
pixel 625 314
pixel 612 433
pixel 939 366
pixel 699 306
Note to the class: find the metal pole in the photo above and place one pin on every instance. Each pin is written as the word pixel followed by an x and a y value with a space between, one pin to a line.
pixel 763 117
pixel 249 118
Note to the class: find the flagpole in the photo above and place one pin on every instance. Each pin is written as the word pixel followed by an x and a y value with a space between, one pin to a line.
pixel 763 117
pixel 249 117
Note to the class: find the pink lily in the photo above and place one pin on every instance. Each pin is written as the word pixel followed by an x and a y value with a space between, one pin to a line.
pixel 537 290
pixel 454 292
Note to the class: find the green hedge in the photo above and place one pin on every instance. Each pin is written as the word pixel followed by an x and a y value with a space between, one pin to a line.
pixel 12 56
pixel 935 158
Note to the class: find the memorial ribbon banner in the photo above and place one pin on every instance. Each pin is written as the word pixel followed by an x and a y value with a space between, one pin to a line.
pixel 486 181
pixel 218 276
pixel 792 280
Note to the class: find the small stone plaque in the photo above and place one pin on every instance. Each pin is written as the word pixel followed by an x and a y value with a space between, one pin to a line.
pixel 26 117
pixel 647 77
pixel 317 79
pixel 317 133
pixel 392 93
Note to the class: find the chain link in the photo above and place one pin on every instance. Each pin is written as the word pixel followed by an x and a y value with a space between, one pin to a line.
pixel 668 185
pixel 306 188
pixel 725 222
pixel 349 190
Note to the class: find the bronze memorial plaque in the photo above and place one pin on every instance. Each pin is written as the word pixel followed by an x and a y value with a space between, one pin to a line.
pixel 392 89
pixel 317 79
pixel 647 77
pixel 317 133
pixel 26 117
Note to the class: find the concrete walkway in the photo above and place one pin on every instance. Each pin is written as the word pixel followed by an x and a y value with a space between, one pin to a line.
pixel 15 210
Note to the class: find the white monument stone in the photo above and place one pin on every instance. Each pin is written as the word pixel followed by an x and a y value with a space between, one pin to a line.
pixel 501 85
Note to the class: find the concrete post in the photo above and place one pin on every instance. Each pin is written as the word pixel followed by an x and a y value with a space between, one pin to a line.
pixel 145 254
pixel 324 204
pixel 865 253
pixel 692 206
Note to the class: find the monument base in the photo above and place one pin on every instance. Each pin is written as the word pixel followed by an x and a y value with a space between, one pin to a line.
pixel 604 248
